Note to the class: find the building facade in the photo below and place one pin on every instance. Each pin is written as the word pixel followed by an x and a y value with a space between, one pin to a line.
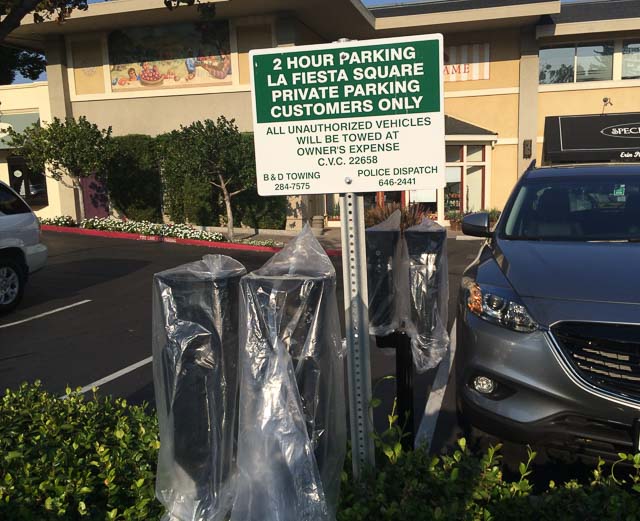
pixel 509 65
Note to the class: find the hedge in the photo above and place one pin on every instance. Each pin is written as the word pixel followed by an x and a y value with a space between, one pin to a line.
pixel 133 180
pixel 75 458
pixel 94 458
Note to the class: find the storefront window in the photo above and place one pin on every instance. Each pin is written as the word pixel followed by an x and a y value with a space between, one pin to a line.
pixel 452 201
pixel 557 65
pixel 594 62
pixel 473 188
pixel 631 60
pixel 465 180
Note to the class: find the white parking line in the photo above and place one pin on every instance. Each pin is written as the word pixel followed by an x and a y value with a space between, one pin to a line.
pixel 45 314
pixel 115 375
pixel 431 411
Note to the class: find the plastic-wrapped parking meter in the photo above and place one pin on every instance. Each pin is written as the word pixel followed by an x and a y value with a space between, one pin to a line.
pixel 382 243
pixel 195 357
pixel 425 316
pixel 292 426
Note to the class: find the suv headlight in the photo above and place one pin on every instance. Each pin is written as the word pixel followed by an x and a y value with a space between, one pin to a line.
pixel 499 306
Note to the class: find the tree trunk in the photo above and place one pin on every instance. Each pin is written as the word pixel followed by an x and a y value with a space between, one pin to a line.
pixel 227 203
pixel 78 186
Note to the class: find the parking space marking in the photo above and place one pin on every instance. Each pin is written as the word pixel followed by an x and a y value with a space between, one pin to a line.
pixel 45 314
pixel 432 410
pixel 117 374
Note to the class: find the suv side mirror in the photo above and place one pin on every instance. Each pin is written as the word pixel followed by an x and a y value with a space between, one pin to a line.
pixel 476 224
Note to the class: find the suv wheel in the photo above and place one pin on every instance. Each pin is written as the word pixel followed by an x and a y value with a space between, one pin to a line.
pixel 12 282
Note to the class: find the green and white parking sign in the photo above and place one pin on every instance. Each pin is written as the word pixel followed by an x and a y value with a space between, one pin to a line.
pixel 360 116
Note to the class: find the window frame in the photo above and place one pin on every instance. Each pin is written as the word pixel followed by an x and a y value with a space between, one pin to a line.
pixel 464 164
pixel 615 49
pixel 623 42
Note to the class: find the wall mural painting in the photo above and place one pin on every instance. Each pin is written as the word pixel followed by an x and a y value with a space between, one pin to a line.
pixel 165 57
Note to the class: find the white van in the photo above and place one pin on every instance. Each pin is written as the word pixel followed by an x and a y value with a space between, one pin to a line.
pixel 21 251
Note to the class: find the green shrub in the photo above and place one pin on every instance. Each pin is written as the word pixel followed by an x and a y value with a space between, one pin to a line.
pixel 494 215
pixel 94 459
pixel 187 196
pixel 75 458
pixel 259 212
pixel 416 486
pixel 133 181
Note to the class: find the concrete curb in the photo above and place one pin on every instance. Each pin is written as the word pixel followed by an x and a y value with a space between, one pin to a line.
pixel 171 240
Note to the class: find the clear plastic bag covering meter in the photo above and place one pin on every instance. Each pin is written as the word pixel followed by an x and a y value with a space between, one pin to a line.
pixel 408 289
pixel 292 427
pixel 382 248
pixel 425 317
pixel 195 370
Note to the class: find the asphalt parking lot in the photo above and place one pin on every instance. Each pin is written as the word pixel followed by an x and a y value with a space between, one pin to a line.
pixel 87 316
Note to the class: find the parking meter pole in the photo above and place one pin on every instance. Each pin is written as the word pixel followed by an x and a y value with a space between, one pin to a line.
pixel 404 384
pixel 354 269
pixel 401 342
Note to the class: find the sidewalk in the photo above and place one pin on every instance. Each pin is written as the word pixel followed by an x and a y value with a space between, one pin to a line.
pixel 330 239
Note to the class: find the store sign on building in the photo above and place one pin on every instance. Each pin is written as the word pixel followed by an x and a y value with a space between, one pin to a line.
pixel 467 62
pixel 362 116
pixel 607 137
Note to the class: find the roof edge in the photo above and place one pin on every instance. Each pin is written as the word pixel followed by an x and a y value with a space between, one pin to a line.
pixel 593 26
pixel 470 15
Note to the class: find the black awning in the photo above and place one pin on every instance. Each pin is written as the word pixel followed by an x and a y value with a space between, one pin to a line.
pixel 457 127
pixel 592 138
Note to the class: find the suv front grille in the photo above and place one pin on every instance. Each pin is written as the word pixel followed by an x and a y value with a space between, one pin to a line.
pixel 605 355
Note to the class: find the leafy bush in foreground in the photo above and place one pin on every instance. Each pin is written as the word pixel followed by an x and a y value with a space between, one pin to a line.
pixel 75 458
pixel 94 459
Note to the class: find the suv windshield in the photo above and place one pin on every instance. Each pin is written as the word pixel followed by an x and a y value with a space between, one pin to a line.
pixel 576 208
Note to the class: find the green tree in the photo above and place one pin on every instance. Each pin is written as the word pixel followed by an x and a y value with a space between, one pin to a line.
pixel 76 149
pixel 12 12
pixel 12 60
pixel 214 152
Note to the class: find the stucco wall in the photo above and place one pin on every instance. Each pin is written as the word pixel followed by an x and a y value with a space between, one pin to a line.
pixel 503 173
pixel 504 55
pixel 34 97
pixel 575 102
pixel 165 113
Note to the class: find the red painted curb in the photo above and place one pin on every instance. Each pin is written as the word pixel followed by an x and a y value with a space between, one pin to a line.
pixel 171 240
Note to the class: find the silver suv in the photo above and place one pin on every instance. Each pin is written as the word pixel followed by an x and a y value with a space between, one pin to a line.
pixel 548 322
pixel 21 251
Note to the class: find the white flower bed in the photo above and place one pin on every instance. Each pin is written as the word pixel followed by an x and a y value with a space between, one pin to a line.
pixel 63 220
pixel 107 224
pixel 180 231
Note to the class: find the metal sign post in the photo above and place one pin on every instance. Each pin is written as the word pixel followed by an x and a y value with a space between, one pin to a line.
pixel 354 269
pixel 350 117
